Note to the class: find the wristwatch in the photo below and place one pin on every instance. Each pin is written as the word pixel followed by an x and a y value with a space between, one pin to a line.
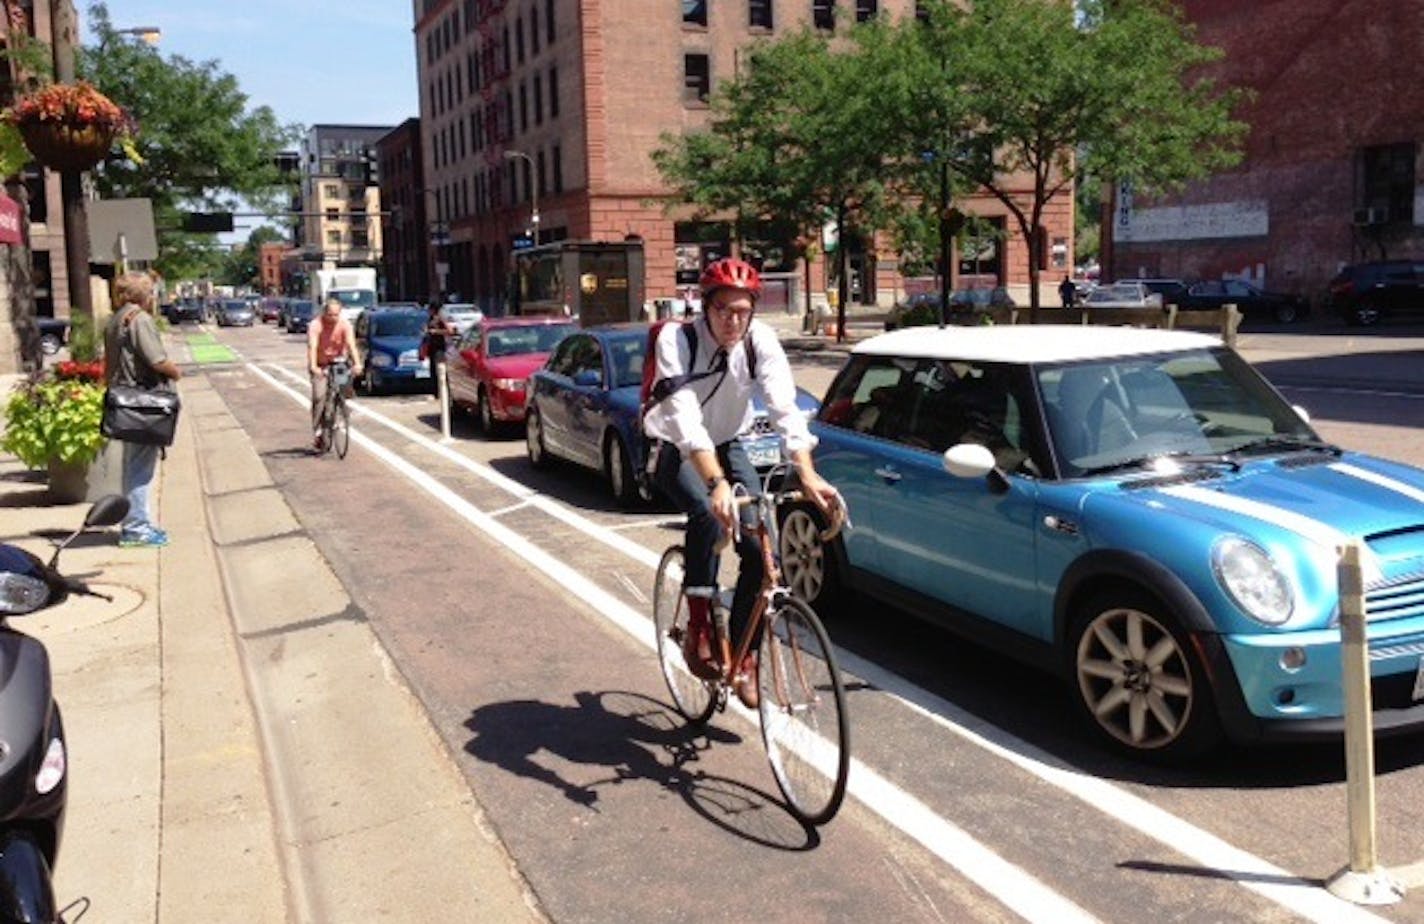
pixel 714 481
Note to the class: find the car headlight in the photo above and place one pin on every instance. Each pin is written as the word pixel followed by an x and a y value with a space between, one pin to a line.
pixel 21 593
pixel 381 360
pixel 508 384
pixel 1252 579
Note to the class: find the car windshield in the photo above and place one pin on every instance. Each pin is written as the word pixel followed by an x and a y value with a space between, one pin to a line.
pixel 234 306
pixel 402 324
pixel 533 338
pixel 1199 403
pixel 459 311
pixel 302 309
pixel 353 298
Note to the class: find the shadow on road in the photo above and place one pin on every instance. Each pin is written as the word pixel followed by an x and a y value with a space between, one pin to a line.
pixel 634 739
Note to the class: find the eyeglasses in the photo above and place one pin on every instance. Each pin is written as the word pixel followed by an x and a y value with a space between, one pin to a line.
pixel 741 314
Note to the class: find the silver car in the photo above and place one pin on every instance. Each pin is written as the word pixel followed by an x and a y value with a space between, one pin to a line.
pixel 1122 295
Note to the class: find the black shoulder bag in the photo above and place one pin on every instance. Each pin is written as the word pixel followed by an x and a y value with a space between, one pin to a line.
pixel 139 415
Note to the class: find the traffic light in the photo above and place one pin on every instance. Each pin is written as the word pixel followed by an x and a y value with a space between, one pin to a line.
pixel 207 222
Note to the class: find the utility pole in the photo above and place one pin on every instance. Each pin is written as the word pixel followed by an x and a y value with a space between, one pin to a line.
pixel 71 189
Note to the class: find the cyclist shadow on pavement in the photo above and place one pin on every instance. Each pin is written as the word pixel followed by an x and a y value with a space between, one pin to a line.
pixel 636 738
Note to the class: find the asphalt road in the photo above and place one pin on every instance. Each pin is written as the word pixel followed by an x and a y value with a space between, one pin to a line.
pixel 514 604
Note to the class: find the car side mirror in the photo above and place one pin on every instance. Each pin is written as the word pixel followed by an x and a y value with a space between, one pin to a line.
pixel 971 460
pixel 587 378
pixel 1301 412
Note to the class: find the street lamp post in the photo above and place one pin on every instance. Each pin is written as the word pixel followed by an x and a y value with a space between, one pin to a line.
pixel 438 227
pixel 533 186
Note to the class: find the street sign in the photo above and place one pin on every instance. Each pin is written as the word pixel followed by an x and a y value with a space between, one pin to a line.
pixel 523 242
pixel 207 222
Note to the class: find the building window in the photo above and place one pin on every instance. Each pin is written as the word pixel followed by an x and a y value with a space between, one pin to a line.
pixel 523 109
pixel 332 190
pixel 519 40
pixel 333 237
pixel 697 78
pixel 549 20
pixel 558 169
pixel 694 12
pixel 542 187
pixel 528 179
pixel 823 13
pixel 534 31
pixel 1387 183
pixel 759 14
pixel 866 9
pixel 553 92
pixel 538 100
pixel 333 214
pixel 359 239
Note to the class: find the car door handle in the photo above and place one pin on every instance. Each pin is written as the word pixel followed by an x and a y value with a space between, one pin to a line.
pixel 889 474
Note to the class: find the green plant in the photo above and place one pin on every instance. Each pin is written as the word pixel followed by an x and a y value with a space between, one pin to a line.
pixel 55 416
pixel 86 343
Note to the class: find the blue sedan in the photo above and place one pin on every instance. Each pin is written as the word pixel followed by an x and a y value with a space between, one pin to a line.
pixel 389 343
pixel 1137 510
pixel 582 406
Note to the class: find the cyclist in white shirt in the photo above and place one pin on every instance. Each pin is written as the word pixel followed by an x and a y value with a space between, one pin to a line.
pixel 706 372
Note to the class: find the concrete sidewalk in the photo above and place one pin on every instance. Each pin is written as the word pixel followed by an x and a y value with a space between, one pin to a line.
pixel 227 762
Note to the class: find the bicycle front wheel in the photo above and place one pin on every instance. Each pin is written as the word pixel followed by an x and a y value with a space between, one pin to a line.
pixel 341 428
pixel 692 696
pixel 803 716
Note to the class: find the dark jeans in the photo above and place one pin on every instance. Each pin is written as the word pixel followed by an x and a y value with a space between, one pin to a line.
pixel 678 479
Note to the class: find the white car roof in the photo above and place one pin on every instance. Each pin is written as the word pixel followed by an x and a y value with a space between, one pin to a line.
pixel 1031 343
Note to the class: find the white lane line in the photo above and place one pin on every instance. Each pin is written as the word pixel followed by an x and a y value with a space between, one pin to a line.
pixel 1305 898
pixel 552 507
pixel 1015 888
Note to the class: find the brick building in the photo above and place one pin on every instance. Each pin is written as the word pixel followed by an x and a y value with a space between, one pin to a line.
pixel 558 104
pixel 1331 173
pixel 405 260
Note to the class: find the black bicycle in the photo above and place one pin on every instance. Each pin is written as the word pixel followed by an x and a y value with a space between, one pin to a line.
pixel 336 419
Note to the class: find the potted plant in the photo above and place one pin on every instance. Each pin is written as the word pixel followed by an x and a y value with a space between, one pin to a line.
pixel 69 126
pixel 52 421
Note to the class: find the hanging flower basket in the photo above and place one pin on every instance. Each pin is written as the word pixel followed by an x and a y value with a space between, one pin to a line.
pixel 69 126
pixel 67 146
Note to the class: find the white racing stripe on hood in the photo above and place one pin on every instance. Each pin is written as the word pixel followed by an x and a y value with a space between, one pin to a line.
pixel 1314 530
pixel 1383 481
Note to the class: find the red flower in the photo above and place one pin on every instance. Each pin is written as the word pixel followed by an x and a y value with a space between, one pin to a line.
pixel 73 103
pixel 83 372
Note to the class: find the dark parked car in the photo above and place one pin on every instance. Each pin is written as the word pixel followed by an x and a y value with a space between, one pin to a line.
pixel 270 309
pixel 1365 293
pixel 186 309
pixel 54 333
pixel 583 407
pixel 299 315
pixel 235 312
pixel 389 343
pixel 1251 301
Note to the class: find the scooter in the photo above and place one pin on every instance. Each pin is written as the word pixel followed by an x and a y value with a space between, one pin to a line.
pixel 33 780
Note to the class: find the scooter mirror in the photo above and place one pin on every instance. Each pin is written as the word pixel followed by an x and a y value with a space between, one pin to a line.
pixel 107 511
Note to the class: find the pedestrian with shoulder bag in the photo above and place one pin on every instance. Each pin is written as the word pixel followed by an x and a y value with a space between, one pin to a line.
pixel 141 403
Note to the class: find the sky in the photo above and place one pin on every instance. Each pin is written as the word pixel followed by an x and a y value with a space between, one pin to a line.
pixel 311 61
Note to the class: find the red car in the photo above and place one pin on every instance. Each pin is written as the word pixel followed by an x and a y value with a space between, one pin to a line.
pixel 489 365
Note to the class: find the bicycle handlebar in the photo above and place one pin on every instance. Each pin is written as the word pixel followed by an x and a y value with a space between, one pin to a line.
pixel 839 515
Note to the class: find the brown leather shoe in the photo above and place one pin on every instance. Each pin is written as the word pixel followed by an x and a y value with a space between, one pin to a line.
pixel 746 684
pixel 697 643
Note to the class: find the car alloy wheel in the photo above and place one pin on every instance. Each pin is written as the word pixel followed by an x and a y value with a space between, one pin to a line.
pixel 534 439
pixel 805 562
pixel 1137 680
pixel 619 470
pixel 1286 313
pixel 487 421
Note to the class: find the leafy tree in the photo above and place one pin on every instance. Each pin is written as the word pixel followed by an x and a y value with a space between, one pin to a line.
pixel 793 139
pixel 1039 79
pixel 201 146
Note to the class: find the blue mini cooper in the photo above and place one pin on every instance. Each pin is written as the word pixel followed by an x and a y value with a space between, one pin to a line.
pixel 1137 510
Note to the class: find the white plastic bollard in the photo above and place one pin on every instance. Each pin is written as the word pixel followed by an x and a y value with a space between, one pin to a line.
pixel 442 392
pixel 1363 881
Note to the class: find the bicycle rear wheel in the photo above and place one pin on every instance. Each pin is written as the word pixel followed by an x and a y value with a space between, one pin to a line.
pixel 692 696
pixel 803 716
pixel 341 428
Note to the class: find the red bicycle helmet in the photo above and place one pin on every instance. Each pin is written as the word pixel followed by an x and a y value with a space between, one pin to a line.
pixel 733 273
